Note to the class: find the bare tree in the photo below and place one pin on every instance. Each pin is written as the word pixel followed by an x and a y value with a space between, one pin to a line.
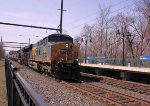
pixel 102 31
pixel 143 6
pixel 143 27
pixel 140 29
pixel 107 43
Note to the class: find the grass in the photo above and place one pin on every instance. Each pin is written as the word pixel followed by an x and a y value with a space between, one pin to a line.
pixel 3 91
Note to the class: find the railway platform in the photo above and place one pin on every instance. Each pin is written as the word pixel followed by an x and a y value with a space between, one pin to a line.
pixel 121 72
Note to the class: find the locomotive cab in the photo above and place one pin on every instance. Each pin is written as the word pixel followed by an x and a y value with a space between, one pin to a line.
pixel 65 58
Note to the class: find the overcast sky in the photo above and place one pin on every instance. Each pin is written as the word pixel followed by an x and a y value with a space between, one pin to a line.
pixel 44 13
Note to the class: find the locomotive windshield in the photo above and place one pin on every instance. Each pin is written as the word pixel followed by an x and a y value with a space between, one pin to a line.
pixel 59 38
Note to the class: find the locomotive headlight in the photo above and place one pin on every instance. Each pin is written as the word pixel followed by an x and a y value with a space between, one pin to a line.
pixel 62 59
pixel 76 59
pixel 67 45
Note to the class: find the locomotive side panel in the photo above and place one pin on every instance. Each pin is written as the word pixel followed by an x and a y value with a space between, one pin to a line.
pixel 42 51
pixel 55 54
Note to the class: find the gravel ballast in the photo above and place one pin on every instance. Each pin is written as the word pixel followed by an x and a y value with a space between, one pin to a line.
pixel 53 92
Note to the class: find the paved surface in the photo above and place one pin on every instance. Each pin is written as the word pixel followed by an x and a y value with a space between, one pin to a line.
pixel 126 68
pixel 3 91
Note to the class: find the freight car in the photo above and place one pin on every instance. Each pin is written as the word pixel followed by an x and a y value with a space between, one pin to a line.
pixel 55 55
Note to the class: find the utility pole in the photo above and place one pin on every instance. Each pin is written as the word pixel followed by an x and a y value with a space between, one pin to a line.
pixel 29 41
pixel 61 16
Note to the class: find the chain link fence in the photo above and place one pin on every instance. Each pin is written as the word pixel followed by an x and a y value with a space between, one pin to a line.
pixel 133 62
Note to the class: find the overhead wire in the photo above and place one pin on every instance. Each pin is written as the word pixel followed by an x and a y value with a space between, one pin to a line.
pixel 94 13
pixel 94 19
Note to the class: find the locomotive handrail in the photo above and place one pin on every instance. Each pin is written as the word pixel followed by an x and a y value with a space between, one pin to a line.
pixel 19 92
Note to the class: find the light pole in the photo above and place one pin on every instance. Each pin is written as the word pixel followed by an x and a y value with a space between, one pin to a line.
pixel 78 43
pixel 86 39
pixel 123 45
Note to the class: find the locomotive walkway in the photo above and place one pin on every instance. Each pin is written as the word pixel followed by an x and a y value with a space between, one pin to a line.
pixel 3 91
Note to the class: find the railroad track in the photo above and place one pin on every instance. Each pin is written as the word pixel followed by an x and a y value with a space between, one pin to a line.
pixel 127 85
pixel 110 95
pixel 135 87
pixel 106 96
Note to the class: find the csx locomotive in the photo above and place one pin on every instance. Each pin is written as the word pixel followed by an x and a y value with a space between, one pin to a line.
pixel 55 55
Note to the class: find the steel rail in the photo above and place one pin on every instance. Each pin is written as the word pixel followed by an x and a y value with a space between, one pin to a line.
pixel 143 102
pixel 100 99
pixel 128 85
pixel 118 83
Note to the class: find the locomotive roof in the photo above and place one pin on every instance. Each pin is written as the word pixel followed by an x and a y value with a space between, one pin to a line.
pixel 27 48
pixel 59 38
